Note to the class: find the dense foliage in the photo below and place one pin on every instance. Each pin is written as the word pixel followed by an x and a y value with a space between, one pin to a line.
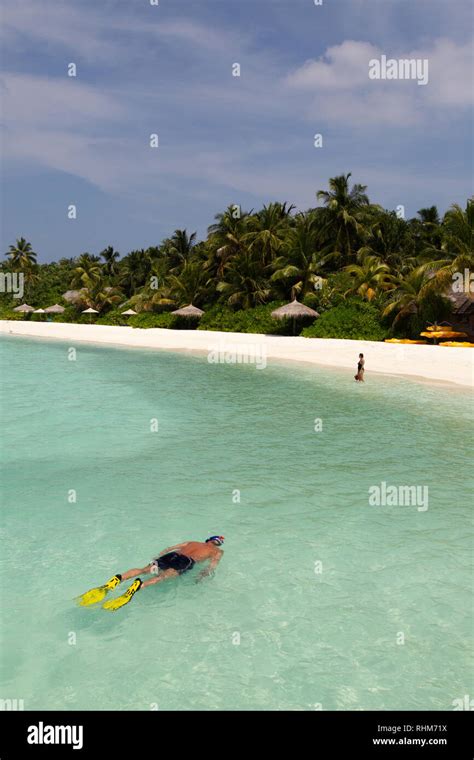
pixel 367 272
pixel 353 320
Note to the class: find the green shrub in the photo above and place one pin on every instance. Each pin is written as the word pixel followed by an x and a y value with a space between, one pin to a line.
pixel 355 320
pixel 71 314
pixel 113 317
pixel 8 313
pixel 257 320
pixel 149 319
pixel 313 300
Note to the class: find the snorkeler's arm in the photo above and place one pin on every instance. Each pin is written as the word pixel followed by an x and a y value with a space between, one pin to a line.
pixel 209 570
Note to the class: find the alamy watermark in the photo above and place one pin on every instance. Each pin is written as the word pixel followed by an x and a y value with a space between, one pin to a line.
pixel 402 68
pixel 238 353
pixel 12 704
pixel 463 282
pixel 12 282
pixel 463 703
pixel 384 495
pixel 47 734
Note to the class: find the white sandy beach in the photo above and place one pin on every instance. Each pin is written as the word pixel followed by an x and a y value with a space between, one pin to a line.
pixel 432 363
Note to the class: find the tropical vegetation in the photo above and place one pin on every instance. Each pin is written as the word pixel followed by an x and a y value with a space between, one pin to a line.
pixel 368 272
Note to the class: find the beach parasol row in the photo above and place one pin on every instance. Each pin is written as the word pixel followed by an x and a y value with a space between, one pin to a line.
pixel 191 311
pixel 26 309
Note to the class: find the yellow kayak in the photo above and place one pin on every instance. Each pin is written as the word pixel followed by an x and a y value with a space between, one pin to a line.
pixel 405 340
pixel 453 344
pixel 444 334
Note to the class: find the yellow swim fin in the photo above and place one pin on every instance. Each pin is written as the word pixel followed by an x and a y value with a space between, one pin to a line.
pixel 120 601
pixel 95 595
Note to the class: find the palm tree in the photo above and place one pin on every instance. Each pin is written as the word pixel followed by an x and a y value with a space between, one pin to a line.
pixel 343 216
pixel 370 277
pixel 110 257
pixel 179 248
pixel 458 230
pixel 426 229
pixel 159 272
pixel 153 300
pixel 457 248
pixel 429 216
pixel 21 255
pixel 87 271
pixel 23 258
pixel 410 294
pixel 389 238
pixel 301 260
pixel 155 293
pixel 90 257
pixel 245 281
pixel 99 295
pixel 134 270
pixel 226 239
pixel 267 229
pixel 190 285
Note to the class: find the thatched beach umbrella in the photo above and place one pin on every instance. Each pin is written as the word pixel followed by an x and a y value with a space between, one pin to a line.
pixel 190 312
pixel 128 313
pixel 90 312
pixel 294 310
pixel 24 308
pixel 38 311
pixel 56 309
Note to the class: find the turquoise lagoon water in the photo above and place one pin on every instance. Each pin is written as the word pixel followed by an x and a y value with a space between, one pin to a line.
pixel 273 629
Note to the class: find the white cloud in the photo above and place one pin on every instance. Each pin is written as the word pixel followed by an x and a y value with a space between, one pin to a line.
pixel 340 68
pixel 43 102
pixel 191 32
pixel 51 24
pixel 227 127
pixel 105 162
pixel 342 90
pixel 95 33
pixel 451 73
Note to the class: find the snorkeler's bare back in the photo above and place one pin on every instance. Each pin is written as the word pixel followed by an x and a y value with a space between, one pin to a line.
pixel 198 551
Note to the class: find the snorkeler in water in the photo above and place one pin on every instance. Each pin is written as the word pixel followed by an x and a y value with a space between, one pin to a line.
pixel 170 563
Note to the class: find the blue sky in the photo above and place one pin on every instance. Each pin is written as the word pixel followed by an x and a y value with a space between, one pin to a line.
pixel 167 69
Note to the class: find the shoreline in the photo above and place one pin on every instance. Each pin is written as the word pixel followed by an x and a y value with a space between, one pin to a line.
pixel 434 364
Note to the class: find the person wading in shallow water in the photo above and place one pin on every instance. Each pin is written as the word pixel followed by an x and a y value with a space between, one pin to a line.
pixel 360 369
pixel 171 562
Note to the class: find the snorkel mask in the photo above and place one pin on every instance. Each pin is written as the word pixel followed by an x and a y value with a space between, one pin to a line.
pixel 219 540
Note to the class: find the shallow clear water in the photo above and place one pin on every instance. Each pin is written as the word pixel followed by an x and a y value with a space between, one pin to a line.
pixel 307 638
